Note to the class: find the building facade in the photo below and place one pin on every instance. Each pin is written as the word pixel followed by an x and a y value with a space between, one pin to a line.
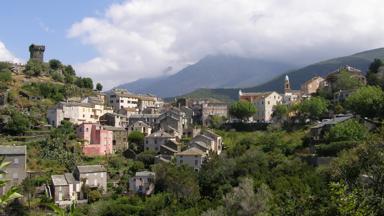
pixel 192 157
pixel 142 183
pixel 156 139
pixel 75 112
pixel 311 86
pixel 141 127
pixel 16 171
pixel 96 139
pixel 95 176
pixel 264 103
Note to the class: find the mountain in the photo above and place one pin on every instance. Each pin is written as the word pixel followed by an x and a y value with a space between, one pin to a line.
pixel 211 72
pixel 360 61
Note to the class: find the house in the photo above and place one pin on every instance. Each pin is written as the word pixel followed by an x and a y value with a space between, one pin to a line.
pixel 127 111
pixel 76 112
pixel 207 141
pixel 121 98
pixel 142 183
pixel 168 151
pixel 311 86
pixel 119 138
pixel 151 119
pixel 264 103
pixel 94 176
pixel 30 96
pixel 318 131
pixel 192 157
pixel 330 83
pixel 114 120
pixel 65 189
pixel 97 140
pixel 16 172
pixel 213 109
pixel 174 121
pixel 141 127
pixel 156 139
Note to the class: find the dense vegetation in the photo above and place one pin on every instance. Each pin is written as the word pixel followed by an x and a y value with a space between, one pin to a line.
pixel 269 172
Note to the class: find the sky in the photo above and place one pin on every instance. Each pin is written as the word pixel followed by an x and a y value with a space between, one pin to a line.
pixel 118 41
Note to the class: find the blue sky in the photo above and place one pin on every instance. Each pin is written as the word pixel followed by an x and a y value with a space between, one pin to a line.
pixel 47 22
pixel 119 41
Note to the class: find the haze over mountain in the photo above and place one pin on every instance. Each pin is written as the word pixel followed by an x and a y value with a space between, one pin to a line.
pixel 211 72
pixel 360 61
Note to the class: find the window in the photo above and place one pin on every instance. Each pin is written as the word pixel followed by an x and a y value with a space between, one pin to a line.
pixel 121 101
pixel 196 162
pixel 16 161
pixel 181 161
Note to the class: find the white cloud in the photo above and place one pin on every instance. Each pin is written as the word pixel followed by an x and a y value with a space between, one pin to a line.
pixel 6 55
pixel 141 38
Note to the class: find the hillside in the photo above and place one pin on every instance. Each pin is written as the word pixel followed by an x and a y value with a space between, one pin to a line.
pixel 360 60
pixel 211 72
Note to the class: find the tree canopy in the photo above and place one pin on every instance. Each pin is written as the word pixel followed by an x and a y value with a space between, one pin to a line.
pixel 314 107
pixel 367 101
pixel 242 110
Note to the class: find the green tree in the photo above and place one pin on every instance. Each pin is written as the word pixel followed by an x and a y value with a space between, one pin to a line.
pixel 244 201
pixel 242 110
pixel 281 112
pixel 136 141
pixel 68 70
pixel 18 124
pixel 147 157
pixel 5 76
pixel 313 108
pixel 99 87
pixel 35 68
pixel 350 130
pixel 84 82
pixel 367 101
pixel 345 81
pixel 54 64
pixel 180 181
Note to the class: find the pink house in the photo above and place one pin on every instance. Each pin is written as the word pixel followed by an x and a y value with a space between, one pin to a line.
pixel 97 140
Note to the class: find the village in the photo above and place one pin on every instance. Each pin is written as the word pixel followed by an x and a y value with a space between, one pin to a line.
pixel 176 132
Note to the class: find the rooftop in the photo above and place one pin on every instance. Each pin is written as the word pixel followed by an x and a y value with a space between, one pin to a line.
pixel 256 94
pixel 145 174
pixel 160 134
pixel 13 150
pixel 91 168
pixel 69 177
pixel 59 180
pixel 332 121
pixel 191 151
pixel 140 123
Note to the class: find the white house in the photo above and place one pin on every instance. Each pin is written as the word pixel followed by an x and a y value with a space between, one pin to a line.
pixel 156 139
pixel 192 157
pixel 76 113
pixel 264 103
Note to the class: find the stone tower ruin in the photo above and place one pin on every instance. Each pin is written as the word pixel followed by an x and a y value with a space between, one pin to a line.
pixel 36 52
